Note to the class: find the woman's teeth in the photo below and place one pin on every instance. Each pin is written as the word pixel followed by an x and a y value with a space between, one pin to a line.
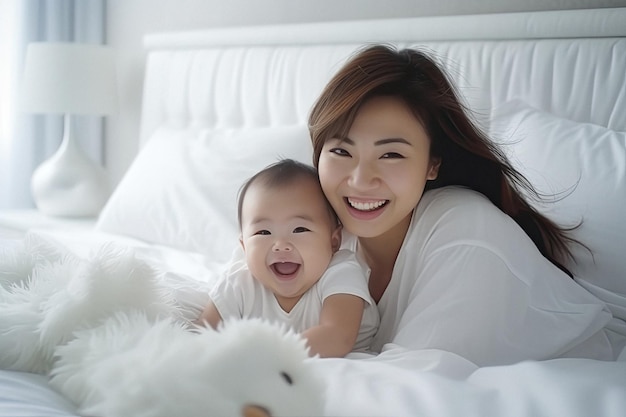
pixel 367 206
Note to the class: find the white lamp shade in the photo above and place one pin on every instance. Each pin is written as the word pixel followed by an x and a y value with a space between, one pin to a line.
pixel 69 78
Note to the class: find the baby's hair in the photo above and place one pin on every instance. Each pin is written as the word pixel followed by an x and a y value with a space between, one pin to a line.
pixel 282 173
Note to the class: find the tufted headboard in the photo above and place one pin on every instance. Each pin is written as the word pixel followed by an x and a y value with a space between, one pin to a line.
pixel 569 63
pixel 220 104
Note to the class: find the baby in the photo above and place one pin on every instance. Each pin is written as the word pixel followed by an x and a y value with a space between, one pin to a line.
pixel 293 271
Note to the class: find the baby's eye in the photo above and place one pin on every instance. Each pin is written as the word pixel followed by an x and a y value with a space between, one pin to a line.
pixel 339 151
pixel 301 229
pixel 392 155
pixel 263 232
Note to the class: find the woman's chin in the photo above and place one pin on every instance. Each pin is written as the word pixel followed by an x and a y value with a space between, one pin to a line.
pixel 362 228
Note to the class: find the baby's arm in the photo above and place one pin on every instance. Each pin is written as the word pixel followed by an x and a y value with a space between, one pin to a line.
pixel 338 328
pixel 209 315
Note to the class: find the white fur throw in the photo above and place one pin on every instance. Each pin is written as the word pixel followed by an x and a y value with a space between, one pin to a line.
pixel 48 293
pixel 113 339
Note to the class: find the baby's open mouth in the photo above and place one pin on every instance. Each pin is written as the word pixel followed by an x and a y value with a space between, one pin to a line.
pixel 285 268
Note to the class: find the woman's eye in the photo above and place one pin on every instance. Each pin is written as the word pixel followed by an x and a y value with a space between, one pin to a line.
pixel 339 151
pixel 392 155
pixel 301 230
pixel 263 232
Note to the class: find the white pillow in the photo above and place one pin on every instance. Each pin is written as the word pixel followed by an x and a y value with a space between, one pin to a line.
pixel 181 190
pixel 585 166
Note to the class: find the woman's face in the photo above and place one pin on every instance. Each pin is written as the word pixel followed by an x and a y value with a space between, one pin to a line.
pixel 376 175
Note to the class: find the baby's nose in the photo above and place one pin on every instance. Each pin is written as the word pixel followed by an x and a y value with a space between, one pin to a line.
pixel 281 246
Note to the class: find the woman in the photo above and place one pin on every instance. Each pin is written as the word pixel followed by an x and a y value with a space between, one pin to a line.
pixel 458 260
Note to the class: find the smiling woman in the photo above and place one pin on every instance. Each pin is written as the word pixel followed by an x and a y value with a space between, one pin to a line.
pixel 428 201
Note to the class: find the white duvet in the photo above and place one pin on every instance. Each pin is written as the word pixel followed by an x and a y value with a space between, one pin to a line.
pixel 418 383
pixel 397 382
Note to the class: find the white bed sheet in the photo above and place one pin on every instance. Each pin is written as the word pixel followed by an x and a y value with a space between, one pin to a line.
pixel 398 382
pixel 436 383
pixel 24 394
pixel 413 383
pixel 199 268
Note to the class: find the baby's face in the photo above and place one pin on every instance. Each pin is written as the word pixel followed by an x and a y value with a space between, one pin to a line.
pixel 288 236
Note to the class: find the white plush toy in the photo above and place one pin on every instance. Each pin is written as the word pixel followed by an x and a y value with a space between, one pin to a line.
pixel 133 367
pixel 110 336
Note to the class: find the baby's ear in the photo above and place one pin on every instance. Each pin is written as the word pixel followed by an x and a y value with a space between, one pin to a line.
pixel 336 238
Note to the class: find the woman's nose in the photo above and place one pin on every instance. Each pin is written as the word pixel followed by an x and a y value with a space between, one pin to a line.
pixel 363 177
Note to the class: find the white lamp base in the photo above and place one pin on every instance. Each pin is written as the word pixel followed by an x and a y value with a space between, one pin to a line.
pixel 69 184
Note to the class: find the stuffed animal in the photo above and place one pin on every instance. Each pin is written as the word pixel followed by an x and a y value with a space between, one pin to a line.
pixel 114 339
pixel 131 366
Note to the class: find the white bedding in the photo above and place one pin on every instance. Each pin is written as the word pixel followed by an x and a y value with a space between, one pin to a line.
pixel 397 382
pixel 218 105
pixel 421 383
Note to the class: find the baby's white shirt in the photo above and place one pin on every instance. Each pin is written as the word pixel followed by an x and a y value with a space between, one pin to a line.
pixel 239 295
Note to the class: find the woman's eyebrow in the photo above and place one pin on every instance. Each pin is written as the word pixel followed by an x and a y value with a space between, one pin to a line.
pixel 344 139
pixel 378 142
pixel 391 140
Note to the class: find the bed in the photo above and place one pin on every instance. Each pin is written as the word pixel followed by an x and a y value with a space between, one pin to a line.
pixel 220 104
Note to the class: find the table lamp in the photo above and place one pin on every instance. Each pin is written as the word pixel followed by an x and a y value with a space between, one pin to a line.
pixel 69 79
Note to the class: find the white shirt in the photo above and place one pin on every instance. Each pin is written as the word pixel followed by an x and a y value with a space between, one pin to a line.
pixel 469 280
pixel 239 295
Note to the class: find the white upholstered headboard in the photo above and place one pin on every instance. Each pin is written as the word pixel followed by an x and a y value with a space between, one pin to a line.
pixel 220 104
pixel 570 63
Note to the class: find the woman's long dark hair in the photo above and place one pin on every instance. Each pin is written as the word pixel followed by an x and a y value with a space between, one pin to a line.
pixel 468 157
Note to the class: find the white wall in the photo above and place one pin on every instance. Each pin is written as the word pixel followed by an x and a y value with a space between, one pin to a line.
pixel 129 20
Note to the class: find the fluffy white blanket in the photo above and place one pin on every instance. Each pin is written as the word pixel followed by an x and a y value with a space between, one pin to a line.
pixel 115 340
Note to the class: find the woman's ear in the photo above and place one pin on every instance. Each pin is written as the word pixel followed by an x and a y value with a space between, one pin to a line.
pixel 433 169
pixel 335 238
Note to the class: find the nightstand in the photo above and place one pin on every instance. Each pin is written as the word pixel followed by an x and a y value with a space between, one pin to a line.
pixel 15 223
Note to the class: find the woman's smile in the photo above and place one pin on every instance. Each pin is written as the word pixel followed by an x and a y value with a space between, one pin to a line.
pixel 365 210
pixel 375 175
pixel 366 205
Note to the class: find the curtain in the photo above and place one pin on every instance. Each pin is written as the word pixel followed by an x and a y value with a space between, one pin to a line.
pixel 26 140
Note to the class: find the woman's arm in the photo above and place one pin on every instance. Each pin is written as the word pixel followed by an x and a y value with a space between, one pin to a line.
pixel 338 328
